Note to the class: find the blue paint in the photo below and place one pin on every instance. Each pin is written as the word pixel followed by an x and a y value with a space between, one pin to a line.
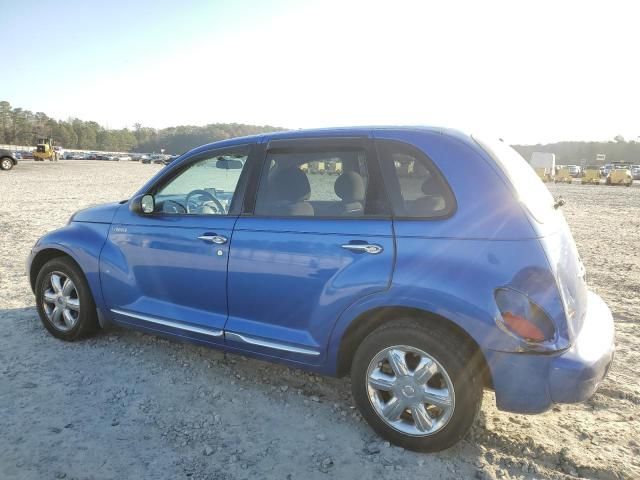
pixel 290 290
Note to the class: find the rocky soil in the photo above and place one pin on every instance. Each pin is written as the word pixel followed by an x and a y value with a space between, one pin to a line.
pixel 130 405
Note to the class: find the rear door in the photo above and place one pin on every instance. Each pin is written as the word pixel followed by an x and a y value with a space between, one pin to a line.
pixel 315 243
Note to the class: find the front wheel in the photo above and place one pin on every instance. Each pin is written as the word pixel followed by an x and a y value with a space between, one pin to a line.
pixel 64 301
pixel 417 384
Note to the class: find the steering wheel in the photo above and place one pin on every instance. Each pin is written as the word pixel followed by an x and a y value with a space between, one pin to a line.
pixel 198 200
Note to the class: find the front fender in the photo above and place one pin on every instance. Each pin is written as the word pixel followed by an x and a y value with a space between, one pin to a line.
pixel 82 242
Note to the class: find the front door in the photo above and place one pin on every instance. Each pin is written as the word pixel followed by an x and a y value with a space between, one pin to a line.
pixel 319 239
pixel 167 271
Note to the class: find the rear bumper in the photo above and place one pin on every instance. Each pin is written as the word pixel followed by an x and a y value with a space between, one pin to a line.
pixel 532 383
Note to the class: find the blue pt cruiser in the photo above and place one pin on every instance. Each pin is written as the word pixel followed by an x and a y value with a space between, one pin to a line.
pixel 425 263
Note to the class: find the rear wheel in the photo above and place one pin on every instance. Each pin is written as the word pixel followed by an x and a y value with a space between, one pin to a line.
pixel 64 301
pixel 6 163
pixel 417 384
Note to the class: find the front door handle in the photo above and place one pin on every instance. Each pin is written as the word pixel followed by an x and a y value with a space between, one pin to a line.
pixel 212 238
pixel 363 247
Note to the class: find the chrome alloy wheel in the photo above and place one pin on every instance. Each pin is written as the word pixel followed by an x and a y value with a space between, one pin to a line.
pixel 6 164
pixel 410 391
pixel 61 302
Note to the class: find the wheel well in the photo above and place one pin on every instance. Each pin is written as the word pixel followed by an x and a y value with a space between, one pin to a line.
pixel 368 321
pixel 40 259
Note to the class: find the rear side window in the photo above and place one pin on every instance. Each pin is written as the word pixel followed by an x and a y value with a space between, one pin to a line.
pixel 317 183
pixel 416 188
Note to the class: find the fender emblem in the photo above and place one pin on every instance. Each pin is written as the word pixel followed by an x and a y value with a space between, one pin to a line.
pixel 120 229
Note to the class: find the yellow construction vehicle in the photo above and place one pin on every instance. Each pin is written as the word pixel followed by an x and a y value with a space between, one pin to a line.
pixel 45 151
pixel 620 174
pixel 591 175
pixel 563 175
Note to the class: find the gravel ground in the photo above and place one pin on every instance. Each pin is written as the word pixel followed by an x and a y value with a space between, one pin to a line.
pixel 130 405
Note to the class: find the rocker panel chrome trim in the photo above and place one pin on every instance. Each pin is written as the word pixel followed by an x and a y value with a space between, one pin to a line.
pixel 268 344
pixel 169 323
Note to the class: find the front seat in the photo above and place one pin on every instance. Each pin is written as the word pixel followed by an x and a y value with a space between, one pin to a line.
pixel 433 201
pixel 349 186
pixel 289 190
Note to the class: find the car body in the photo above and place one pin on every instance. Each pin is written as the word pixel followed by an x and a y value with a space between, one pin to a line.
pixel 620 174
pixel 26 155
pixel 461 265
pixel 591 175
pixel 575 170
pixel 635 171
pixel 125 158
pixel 8 159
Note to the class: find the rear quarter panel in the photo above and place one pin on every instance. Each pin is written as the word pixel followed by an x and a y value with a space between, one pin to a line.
pixel 452 266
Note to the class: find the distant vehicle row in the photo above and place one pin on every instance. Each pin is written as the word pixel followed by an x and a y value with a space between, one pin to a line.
pixel 545 166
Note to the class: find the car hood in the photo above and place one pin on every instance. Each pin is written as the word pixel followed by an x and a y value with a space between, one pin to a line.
pixel 98 214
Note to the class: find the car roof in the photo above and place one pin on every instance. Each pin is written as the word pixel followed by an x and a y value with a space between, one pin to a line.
pixel 327 132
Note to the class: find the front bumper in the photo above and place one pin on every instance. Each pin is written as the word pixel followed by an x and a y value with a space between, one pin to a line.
pixel 532 383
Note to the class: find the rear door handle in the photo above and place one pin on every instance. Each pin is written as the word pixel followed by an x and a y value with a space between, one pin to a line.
pixel 213 238
pixel 363 247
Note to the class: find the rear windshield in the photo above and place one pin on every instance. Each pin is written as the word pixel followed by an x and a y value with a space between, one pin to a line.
pixel 532 193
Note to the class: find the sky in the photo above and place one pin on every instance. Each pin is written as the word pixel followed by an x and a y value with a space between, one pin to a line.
pixel 527 71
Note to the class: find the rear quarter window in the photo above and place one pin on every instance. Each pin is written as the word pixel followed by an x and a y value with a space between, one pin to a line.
pixel 416 187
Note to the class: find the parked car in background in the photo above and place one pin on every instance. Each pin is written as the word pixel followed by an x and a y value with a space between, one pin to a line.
pixel 404 278
pixel 169 159
pixel 26 154
pixel 575 171
pixel 8 160
pixel 635 172
pixel 124 158
pixel 606 169
pixel 145 159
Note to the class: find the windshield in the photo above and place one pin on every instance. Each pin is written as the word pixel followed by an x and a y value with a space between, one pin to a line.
pixel 531 192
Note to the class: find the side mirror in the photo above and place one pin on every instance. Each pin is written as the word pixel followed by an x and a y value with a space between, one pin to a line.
pixel 142 204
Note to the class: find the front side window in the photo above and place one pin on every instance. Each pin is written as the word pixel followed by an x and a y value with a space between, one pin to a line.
pixel 205 187
pixel 418 189
pixel 320 183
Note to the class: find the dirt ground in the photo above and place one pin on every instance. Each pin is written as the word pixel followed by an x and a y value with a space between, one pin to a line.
pixel 132 405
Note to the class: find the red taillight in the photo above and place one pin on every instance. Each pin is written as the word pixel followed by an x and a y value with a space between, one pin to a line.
pixel 523 327
pixel 522 317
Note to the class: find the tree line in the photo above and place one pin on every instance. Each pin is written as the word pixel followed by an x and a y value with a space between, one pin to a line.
pixel 23 127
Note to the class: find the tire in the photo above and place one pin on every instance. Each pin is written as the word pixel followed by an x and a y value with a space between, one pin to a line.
pixel 82 320
pixel 6 163
pixel 457 370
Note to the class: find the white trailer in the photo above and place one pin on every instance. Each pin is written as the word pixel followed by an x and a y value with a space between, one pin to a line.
pixel 544 164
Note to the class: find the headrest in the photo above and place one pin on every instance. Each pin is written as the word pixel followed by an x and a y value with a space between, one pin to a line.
pixel 290 185
pixel 349 187
pixel 431 186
